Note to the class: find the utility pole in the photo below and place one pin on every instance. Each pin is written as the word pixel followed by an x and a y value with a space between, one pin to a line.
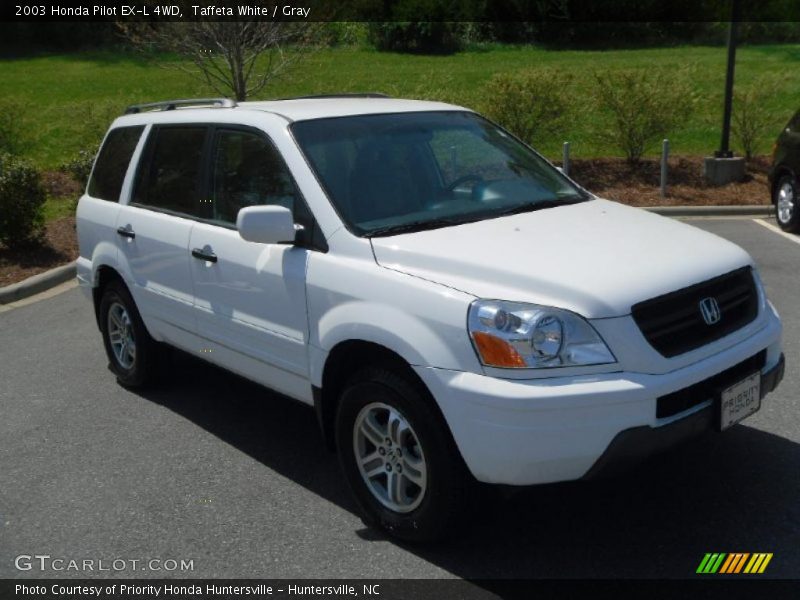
pixel 723 167
pixel 724 147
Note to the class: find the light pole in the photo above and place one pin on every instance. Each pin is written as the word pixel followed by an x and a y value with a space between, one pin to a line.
pixel 724 147
pixel 723 167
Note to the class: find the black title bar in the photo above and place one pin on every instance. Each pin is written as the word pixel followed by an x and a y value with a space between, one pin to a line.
pixel 563 11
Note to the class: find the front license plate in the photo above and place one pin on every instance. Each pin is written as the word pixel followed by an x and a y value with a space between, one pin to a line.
pixel 740 400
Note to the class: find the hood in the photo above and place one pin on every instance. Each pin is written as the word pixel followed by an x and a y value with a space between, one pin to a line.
pixel 596 258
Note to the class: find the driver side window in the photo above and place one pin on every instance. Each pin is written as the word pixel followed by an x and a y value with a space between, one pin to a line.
pixel 247 171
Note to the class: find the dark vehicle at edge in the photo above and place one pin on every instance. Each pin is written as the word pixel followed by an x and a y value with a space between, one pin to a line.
pixel 784 184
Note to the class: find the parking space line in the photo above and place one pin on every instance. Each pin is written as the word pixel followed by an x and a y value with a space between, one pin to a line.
pixel 778 230
pixel 714 218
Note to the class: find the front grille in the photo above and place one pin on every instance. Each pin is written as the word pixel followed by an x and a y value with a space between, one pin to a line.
pixel 686 398
pixel 674 324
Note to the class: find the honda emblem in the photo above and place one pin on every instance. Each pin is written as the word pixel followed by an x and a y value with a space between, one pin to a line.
pixel 709 308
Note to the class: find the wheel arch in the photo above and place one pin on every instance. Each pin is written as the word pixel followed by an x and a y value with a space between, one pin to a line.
pixel 103 275
pixel 344 360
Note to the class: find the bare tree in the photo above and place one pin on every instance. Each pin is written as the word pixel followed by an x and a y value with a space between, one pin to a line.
pixel 234 58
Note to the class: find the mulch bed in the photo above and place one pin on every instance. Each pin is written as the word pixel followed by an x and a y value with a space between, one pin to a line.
pixel 638 185
pixel 59 245
pixel 607 177
pixel 60 184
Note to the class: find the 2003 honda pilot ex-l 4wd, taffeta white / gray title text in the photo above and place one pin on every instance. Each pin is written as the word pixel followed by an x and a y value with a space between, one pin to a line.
pixel 454 308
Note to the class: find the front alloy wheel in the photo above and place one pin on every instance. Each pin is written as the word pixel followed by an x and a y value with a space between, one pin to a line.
pixel 398 456
pixel 390 457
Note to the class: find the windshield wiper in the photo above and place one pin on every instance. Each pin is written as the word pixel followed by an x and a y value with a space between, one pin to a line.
pixel 537 205
pixel 419 225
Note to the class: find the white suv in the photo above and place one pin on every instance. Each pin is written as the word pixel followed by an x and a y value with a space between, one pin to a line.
pixel 454 308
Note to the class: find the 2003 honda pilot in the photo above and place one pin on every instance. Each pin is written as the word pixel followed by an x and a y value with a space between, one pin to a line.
pixel 454 308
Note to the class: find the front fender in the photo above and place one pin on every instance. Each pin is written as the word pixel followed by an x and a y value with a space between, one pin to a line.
pixel 423 322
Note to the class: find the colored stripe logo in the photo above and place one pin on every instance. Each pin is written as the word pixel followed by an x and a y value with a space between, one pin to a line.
pixel 734 562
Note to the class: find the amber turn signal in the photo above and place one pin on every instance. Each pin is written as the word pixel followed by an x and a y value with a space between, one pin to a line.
pixel 496 352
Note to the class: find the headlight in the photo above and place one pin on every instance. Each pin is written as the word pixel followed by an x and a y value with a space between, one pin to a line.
pixel 528 336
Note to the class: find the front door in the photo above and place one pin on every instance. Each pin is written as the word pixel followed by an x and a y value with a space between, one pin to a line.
pixel 249 298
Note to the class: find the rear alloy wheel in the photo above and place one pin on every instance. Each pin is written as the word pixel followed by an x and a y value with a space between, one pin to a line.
pixel 132 353
pixel 786 200
pixel 120 335
pixel 399 458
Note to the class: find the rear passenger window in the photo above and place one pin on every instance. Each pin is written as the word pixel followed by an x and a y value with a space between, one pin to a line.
pixel 171 178
pixel 112 163
pixel 248 171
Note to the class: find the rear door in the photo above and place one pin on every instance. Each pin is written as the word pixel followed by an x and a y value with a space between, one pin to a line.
pixel 153 229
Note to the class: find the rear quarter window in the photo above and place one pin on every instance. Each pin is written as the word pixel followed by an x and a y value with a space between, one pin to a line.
pixel 112 163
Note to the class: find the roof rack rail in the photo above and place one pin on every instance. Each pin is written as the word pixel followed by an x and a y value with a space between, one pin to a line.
pixel 173 104
pixel 342 95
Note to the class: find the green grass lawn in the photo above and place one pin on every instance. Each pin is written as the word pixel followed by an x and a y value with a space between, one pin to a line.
pixel 65 101
pixel 58 208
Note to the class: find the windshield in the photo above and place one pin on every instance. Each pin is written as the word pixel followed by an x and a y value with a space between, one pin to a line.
pixel 394 173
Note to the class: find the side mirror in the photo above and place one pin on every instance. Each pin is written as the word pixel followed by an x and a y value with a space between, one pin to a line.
pixel 266 224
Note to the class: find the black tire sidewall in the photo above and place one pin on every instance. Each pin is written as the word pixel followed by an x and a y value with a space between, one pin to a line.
pixel 793 225
pixel 140 372
pixel 441 506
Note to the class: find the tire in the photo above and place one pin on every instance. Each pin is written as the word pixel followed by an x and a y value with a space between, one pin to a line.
pixel 120 319
pixel 432 495
pixel 787 204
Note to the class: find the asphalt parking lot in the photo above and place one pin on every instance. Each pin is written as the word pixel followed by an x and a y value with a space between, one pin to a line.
pixel 217 470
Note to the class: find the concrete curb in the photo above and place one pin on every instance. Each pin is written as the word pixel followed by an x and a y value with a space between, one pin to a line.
pixel 37 283
pixel 713 211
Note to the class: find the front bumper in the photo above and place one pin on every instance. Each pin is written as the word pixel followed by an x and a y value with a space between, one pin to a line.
pixel 632 446
pixel 524 432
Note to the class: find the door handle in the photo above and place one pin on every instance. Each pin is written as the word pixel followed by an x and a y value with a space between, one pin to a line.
pixel 127 233
pixel 205 255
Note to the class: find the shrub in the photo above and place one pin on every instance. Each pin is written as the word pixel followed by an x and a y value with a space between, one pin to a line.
pixel 80 167
pixel 644 106
pixel 22 198
pixel 344 33
pixel 425 37
pixel 531 104
pixel 751 118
